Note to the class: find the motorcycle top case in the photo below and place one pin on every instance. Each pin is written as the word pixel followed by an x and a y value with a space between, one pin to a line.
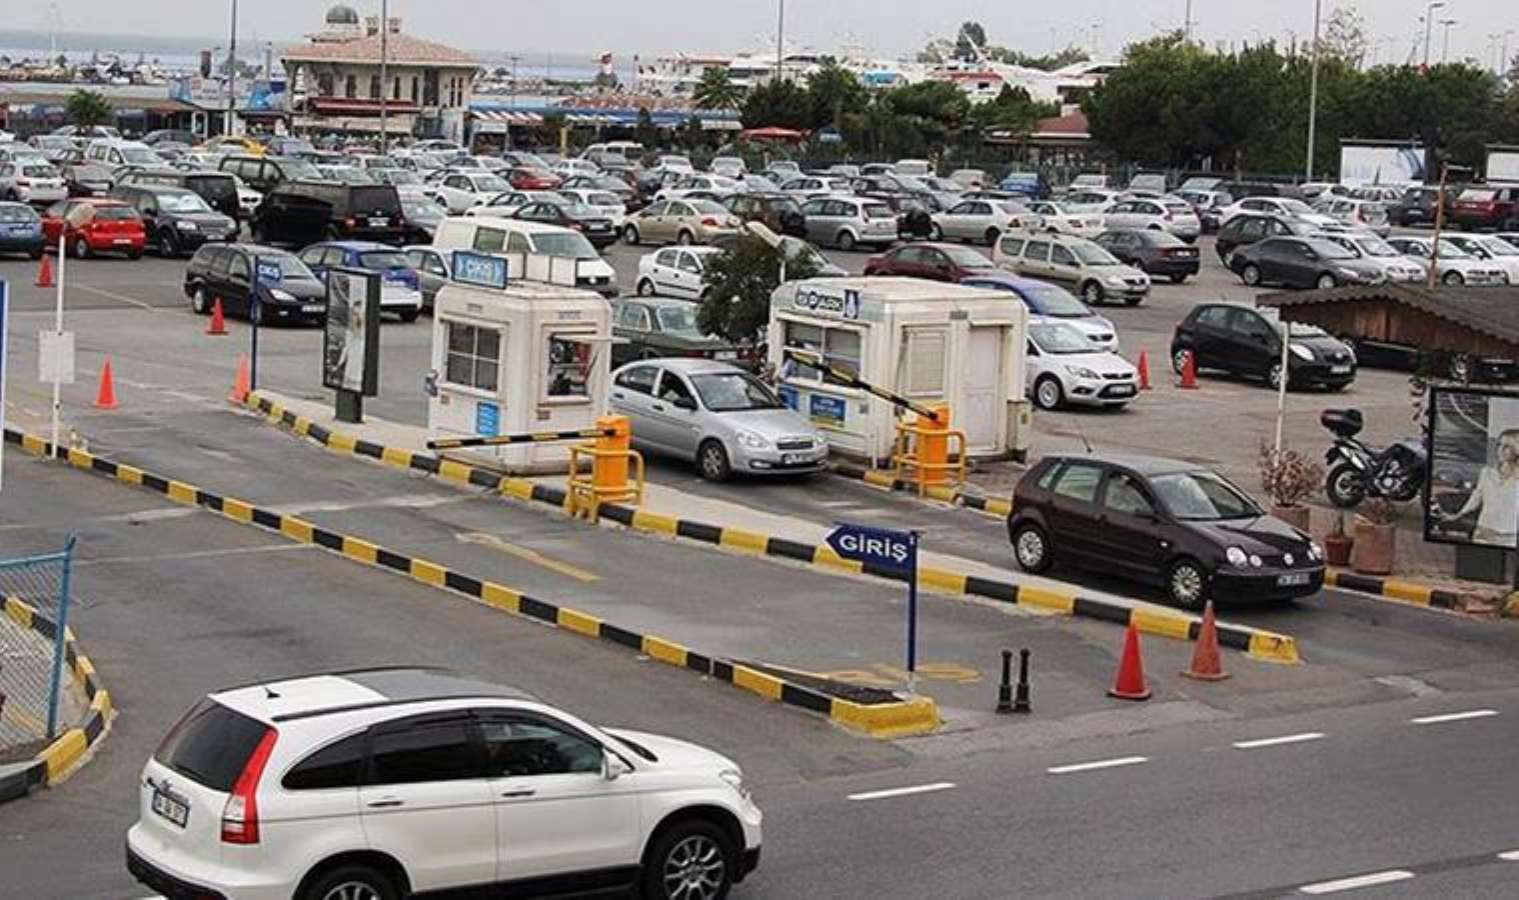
pixel 1345 423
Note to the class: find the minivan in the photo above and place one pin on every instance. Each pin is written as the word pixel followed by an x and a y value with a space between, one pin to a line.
pixel 1097 274
pixel 303 212
pixel 489 234
pixel 113 152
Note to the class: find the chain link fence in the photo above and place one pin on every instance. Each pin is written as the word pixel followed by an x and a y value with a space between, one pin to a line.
pixel 34 698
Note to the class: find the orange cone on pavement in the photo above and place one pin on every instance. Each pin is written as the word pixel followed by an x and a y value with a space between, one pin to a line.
pixel 106 398
pixel 218 321
pixel 240 387
pixel 1189 372
pixel 45 272
pixel 1206 664
pixel 1130 684
pixel 1144 370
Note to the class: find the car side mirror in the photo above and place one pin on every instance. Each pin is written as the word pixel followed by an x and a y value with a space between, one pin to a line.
pixel 613 767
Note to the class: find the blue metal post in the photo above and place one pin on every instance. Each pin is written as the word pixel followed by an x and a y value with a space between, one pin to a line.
pixel 60 640
pixel 912 609
pixel 254 314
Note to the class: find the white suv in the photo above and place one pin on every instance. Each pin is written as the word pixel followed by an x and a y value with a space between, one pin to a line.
pixel 381 783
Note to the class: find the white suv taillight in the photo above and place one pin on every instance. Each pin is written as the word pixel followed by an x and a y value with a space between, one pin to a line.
pixel 240 815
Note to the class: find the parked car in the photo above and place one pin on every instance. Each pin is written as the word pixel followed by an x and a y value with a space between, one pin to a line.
pixel 461 190
pixel 1165 522
pixel 1208 205
pixel 604 204
pixel 728 166
pixel 526 178
pixel 914 213
pixel 300 212
pixel 1302 262
pixel 507 204
pixel 1490 249
pixel 650 328
pixel 1353 212
pixel 286 788
pixel 1057 219
pixel 1417 206
pixel 1244 341
pixel 490 234
pixel 1096 274
pixel 434 271
pixel 224 272
pixel 37 183
pixel 400 288
pixel 93 225
pixel 808 186
pixel 675 272
pixel 1252 228
pixel 118 152
pixel 1454 267
pixel 1158 254
pixel 981 221
pixel 1170 214
pixel 597 227
pixel 1032 185
pixel 1051 302
pixel 1374 249
pixel 781 213
pixel 177 220
pixel 679 221
pixel 1281 207
pixel 1485 207
pixel 265 173
pixel 86 179
pixel 935 262
pixel 1090 200
pixel 850 222
pixel 970 179
pixel 20 230
pixel 421 217
pixel 1065 369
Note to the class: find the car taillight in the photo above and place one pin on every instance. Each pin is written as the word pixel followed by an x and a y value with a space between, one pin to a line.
pixel 709 222
pixel 351 222
pixel 240 815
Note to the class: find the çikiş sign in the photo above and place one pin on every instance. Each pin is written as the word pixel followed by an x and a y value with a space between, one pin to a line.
pixel 845 305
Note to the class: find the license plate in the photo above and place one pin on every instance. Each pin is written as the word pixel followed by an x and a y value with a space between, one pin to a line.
pixel 1293 580
pixel 1122 390
pixel 312 308
pixel 1339 370
pixel 378 223
pixel 122 241
pixel 793 459
pixel 725 354
pixel 170 808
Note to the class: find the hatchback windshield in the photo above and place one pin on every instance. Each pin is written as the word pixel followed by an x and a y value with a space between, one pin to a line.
pixel 383 259
pixel 1058 338
pixel 878 211
pixel 183 203
pixel 573 246
pixel 734 392
pixel 1202 497
pixel 1093 254
pixel 1052 300
pixel 968 258
pixel 15 212
pixel 677 318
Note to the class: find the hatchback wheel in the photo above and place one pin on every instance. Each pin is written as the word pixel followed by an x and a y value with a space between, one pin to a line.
pixel 351 883
pixel 847 241
pixel 1091 292
pixel 712 459
pixel 1251 275
pixel 168 244
pixel 692 861
pixel 1327 281
pixel 1048 393
pixel 1032 549
pixel 81 249
pixel 1187 584
pixel 200 302
pixel 1179 359
pixel 1274 376
pixel 630 235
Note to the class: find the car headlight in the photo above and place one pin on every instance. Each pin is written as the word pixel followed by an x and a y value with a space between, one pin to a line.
pixel 186 226
pixel 1115 280
pixel 752 441
pixel 1255 561
pixel 1082 372
pixel 1315 552
pixel 281 296
pixel 1236 556
pixel 735 780
pixel 1302 352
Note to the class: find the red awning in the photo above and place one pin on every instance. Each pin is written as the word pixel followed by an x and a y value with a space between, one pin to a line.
pixel 772 134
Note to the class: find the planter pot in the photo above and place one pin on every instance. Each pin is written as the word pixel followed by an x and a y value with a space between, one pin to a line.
pixel 1337 549
pixel 1299 517
pixel 1375 548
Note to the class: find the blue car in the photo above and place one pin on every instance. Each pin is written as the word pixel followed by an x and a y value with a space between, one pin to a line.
pixel 20 230
pixel 400 286
pixel 1051 301
pixel 1025 184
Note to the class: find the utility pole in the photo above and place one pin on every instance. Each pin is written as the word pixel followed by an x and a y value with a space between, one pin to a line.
pixel 1445 40
pixel 780 42
pixel 1429 22
pixel 384 76
pixel 1313 91
pixel 1187 24
pixel 232 74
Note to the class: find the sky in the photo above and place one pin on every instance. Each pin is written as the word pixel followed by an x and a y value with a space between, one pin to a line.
pixel 887 27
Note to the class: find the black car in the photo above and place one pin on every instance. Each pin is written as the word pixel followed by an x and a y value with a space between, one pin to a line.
pixel 1418 204
pixel 1163 522
pixel 176 219
pixel 1251 228
pixel 1237 339
pixel 1153 252
pixel 597 228
pixel 224 272
pixel 1303 263
pixel 299 213
pixel 218 189
pixel 265 173
pixel 422 217
pixel 21 230
pixel 86 179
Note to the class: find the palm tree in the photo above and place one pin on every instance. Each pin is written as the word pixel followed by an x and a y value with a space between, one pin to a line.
pixel 87 109
pixel 717 91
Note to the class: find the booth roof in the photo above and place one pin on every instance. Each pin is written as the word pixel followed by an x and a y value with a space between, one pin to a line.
pixel 895 289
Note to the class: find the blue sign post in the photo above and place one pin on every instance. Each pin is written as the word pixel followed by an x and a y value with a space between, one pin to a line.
pixel 4 347
pixel 266 274
pixel 887 552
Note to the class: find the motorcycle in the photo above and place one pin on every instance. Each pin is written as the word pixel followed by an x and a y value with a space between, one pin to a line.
pixel 1357 471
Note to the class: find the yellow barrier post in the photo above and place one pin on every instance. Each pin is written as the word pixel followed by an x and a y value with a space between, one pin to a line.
pixel 933 446
pixel 609 469
pixel 924 451
pixel 610 454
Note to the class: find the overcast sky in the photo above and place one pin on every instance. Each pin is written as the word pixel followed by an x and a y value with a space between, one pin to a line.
pixel 890 27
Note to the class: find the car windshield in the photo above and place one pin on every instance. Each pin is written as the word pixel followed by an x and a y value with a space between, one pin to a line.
pixel 15 212
pixel 383 259
pixel 290 267
pixel 580 211
pixel 298 169
pixel 400 176
pixel 1202 497
pixel 39 172
pixel 183 203
pixel 879 211
pixel 912 183
pixel 677 318
pixel 759 183
pixel 116 213
pixel 1330 250
pixel 602 198
pixel 734 392
pixel 1056 301
pixel 1296 207
pixel 572 245
pixel 421 209
pixel 1499 247
pixel 1093 254
pixel 1058 338
pixel 1375 246
pixel 491 183
pixel 967 258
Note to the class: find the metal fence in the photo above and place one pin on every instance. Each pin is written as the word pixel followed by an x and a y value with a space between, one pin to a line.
pixel 33 698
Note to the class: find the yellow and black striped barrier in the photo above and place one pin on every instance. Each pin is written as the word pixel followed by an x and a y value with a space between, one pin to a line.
pixel 531 437
pixel 845 378
pixel 944 494
pixel 1395 589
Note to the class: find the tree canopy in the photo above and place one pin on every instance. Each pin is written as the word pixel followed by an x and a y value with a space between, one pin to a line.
pixel 87 109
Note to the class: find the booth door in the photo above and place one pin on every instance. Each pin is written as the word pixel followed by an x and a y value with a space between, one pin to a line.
pixel 983 390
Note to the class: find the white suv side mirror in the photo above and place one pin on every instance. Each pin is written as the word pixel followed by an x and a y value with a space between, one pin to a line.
pixel 613 767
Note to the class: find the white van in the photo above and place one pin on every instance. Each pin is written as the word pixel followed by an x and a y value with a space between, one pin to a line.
pixel 115 152
pixel 489 234
pixel 917 168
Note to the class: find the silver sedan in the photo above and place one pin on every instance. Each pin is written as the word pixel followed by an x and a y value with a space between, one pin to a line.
pixel 981 221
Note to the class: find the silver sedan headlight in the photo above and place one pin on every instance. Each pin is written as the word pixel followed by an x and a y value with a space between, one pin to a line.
pixel 752 441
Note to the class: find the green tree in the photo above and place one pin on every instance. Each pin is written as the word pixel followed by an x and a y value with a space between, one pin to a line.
pixel 778 104
pixel 87 109
pixel 1048 63
pixel 739 282
pixel 834 92
pixel 1013 112
pixel 645 132
pixel 716 90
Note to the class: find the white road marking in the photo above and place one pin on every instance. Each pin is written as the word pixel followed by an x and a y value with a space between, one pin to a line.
pixel 1278 741
pixel 1455 717
pixel 1099 764
pixel 904 792
pixel 1509 856
pixel 112 295
pixel 196 554
pixel 1359 881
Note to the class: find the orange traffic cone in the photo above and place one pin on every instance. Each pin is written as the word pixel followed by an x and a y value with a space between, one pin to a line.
pixel 1189 372
pixel 218 321
pixel 1144 370
pixel 106 398
pixel 1206 664
pixel 45 273
pixel 1130 684
pixel 240 387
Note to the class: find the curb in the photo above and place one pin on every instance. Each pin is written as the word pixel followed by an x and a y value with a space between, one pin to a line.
pixel 1263 645
pixel 1409 593
pixel 903 718
pixel 56 762
pixel 882 479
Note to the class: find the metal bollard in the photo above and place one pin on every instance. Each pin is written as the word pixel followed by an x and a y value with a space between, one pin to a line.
pixel 1005 691
pixel 1021 705
pixel 610 466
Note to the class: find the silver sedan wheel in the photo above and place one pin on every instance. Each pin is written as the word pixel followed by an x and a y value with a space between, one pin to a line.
pixel 695 869
pixel 351 890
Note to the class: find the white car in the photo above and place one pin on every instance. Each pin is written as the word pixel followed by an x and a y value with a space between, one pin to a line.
pixel 460 190
pixel 728 166
pixel 1057 219
pixel 675 272
pixel 1455 267
pixel 1373 248
pixel 816 186
pixel 1171 214
pixel 569 168
pixel 247 198
pixel 31 182
pixel 605 204
pixel 677 163
pixel 1089 200
pixel 382 783
pixel 1062 369
pixel 980 221
pixel 1352 212
pixel 508 203
pixel 1287 207
pixel 715 184
pixel 1493 250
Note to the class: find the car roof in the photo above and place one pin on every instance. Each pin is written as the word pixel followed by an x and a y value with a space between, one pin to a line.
pixel 695 366
pixel 358 246
pixel 345 691
pixel 1144 465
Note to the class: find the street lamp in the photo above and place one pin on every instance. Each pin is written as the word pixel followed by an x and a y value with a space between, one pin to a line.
pixel 232 74
pixel 780 41
pixel 1313 90
pixel 384 75
pixel 1429 21
pixel 1445 39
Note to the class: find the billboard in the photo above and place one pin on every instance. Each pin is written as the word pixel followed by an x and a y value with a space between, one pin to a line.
pixel 1503 165
pixel 1381 164
pixel 1473 482
pixel 351 340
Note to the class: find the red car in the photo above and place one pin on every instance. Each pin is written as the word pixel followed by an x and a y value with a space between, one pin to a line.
pixel 95 226
pixel 524 178
pixel 937 262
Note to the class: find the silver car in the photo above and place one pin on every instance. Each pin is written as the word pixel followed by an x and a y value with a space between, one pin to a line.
pixel 716 415
pixel 981 221
pixel 849 222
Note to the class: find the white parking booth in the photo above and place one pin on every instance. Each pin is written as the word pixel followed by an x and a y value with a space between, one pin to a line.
pixel 517 355
pixel 922 340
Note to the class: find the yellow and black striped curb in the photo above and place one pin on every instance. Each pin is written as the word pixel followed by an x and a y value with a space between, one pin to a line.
pixel 1264 645
pixel 953 496
pixel 898 717
pixel 1407 592
pixel 56 761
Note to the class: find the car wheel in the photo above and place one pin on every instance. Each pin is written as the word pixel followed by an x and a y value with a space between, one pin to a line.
pixel 991 236
pixel 630 236
pixel 1274 376
pixel 1048 394
pixel 1187 584
pixel 1031 548
pixel 935 233
pixel 1251 275
pixel 1345 487
pixel 712 460
pixel 691 861
pixel 168 244
pixel 1091 292
pixel 351 883
pixel 1459 368
pixel 81 249
pixel 1178 278
pixel 199 302
pixel 1327 281
pixel 1453 279
pixel 685 238
pixel 846 241
pixel 1179 359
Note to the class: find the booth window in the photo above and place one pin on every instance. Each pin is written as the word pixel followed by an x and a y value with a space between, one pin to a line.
pixel 922 364
pixel 840 348
pixel 569 373
pixel 474 356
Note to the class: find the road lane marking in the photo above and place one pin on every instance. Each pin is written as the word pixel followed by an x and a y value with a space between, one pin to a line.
pixel 904 791
pixel 1278 741
pixel 1455 717
pixel 527 554
pixel 1359 881
pixel 112 295
pixel 194 554
pixel 1509 856
pixel 1099 764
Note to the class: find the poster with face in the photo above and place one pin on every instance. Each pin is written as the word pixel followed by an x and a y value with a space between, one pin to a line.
pixel 1473 468
pixel 351 339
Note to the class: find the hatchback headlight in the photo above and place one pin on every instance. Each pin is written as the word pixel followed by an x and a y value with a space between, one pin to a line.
pixel 281 296
pixel 1082 372
pixel 752 441
pixel 1302 352
pixel 1315 552
pixel 1236 556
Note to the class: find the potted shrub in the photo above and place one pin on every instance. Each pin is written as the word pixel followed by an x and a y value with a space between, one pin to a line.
pixel 1376 538
pixel 1338 544
pixel 1289 478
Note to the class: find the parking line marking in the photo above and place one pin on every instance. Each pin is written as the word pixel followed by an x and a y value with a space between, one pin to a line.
pixel 1509 856
pixel 904 791
pixel 1359 881
pixel 1278 741
pixel 1454 717
pixel 112 295
pixel 1099 764
pixel 529 555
